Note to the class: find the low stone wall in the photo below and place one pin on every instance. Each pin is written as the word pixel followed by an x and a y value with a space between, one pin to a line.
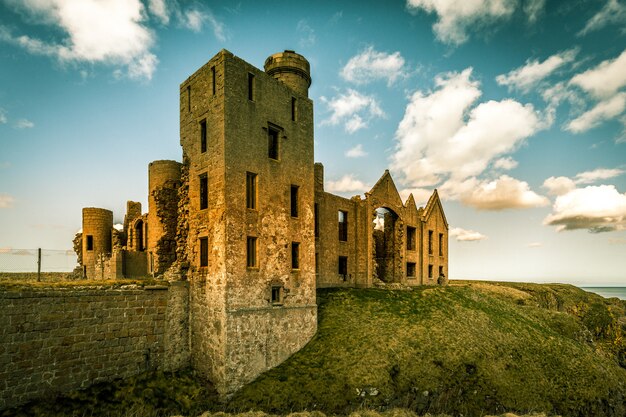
pixel 56 340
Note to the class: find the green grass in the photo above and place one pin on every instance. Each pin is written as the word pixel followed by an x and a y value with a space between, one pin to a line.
pixel 12 284
pixel 472 348
pixel 154 394
pixel 467 349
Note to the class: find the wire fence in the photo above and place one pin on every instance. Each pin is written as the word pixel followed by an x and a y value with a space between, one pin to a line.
pixel 38 264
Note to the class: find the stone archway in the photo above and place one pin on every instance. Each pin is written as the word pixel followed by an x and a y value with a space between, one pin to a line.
pixel 139 238
pixel 387 242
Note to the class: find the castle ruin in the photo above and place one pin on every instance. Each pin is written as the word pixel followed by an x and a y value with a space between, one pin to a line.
pixel 244 220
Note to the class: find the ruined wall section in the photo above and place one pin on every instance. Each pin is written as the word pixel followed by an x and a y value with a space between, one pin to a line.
pixel 133 212
pixel 412 255
pixel 202 103
pixel 56 340
pixel 163 182
pixel 97 226
pixel 434 221
pixel 261 333
pixel 328 245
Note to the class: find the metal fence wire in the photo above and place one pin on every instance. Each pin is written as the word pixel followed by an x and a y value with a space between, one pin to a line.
pixel 37 260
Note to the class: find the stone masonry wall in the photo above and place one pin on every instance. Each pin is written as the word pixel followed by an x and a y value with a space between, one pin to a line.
pixel 55 340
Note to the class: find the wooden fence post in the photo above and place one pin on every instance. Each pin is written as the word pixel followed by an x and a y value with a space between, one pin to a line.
pixel 39 264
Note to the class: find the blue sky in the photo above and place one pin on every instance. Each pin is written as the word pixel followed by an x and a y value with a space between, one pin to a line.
pixel 514 110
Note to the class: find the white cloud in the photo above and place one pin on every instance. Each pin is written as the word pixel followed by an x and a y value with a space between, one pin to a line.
pixel 563 185
pixel 441 135
pixel 499 194
pixel 371 65
pixel 463 235
pixel 506 164
pixel 559 185
pixel 595 208
pixel 160 10
pixel 6 201
pixel 604 110
pixel 455 18
pixel 193 18
pixel 523 78
pixel 346 184
pixel 118 226
pixel 307 34
pixel 351 108
pixel 356 152
pixel 3 116
pixel 605 79
pixel 589 177
pixel 421 195
pixel 219 31
pixel 533 8
pixel 111 32
pixel 24 124
pixel 611 13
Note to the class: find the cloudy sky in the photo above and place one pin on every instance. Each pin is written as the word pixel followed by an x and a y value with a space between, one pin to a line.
pixel 514 110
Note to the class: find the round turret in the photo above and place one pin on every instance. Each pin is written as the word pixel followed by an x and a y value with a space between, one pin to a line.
pixel 163 182
pixel 292 69
pixel 160 172
pixel 97 225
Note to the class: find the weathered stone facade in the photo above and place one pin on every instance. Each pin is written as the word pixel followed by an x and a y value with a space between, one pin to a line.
pixel 55 340
pixel 246 221
pixel 384 240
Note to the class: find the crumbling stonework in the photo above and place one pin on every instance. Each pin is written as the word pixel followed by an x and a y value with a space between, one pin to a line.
pixel 55 340
pixel 387 241
pixel 246 222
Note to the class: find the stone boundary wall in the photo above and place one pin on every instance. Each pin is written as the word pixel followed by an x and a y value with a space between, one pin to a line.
pixel 56 340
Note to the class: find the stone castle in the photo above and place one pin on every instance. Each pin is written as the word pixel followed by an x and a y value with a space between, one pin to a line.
pixel 245 222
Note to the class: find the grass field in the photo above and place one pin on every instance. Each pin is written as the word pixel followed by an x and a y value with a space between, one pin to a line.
pixel 471 349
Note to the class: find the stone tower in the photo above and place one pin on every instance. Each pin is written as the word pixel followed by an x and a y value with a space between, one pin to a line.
pixel 97 225
pixel 163 183
pixel 247 214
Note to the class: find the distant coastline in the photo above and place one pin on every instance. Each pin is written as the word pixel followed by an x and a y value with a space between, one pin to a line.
pixel 608 292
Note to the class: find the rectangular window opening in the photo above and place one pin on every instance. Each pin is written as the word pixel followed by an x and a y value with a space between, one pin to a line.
pixel 410 269
pixel 251 261
pixel 277 294
pixel 203 136
pixel 343 267
pixel 89 242
pixel 293 108
pixel 204 251
pixel 343 226
pixel 410 238
pixel 430 271
pixel 272 145
pixel 189 98
pixel 294 201
pixel 295 255
pixel 317 264
pixel 441 271
pixel 430 242
pixel 204 192
pixel 213 78
pixel 251 182
pixel 316 213
pixel 250 87
pixel 440 244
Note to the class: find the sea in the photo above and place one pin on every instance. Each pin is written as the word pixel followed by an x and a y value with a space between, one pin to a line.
pixel 608 292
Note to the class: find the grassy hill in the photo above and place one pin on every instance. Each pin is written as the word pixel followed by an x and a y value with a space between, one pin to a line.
pixel 469 348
